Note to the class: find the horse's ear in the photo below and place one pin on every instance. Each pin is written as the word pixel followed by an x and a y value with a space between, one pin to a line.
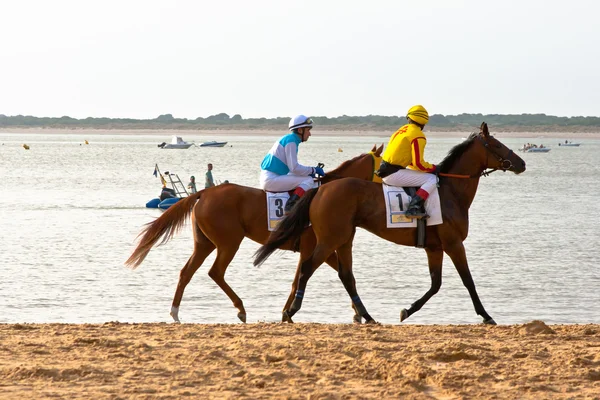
pixel 484 129
pixel 374 148
pixel 379 151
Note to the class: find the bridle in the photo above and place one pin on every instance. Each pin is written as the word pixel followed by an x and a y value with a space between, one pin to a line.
pixel 505 163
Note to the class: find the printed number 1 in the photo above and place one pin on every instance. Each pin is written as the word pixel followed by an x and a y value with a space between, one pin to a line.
pixel 399 196
pixel 279 209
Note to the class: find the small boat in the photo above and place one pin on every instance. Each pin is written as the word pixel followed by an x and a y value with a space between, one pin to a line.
pixel 570 144
pixel 168 195
pixel 535 150
pixel 176 143
pixel 213 144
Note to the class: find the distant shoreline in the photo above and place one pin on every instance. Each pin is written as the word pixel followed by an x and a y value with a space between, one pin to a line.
pixel 532 132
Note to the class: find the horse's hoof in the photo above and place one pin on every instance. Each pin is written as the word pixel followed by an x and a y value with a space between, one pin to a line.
pixel 175 314
pixel 403 314
pixel 489 321
pixel 372 322
pixel 242 317
pixel 357 319
pixel 285 317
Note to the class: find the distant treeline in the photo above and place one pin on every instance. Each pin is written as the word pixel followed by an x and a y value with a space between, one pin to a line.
pixel 224 121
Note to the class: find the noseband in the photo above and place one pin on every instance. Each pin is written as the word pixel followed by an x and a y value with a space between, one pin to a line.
pixel 505 163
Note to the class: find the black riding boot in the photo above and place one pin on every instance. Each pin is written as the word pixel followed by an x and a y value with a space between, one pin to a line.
pixel 414 208
pixel 290 203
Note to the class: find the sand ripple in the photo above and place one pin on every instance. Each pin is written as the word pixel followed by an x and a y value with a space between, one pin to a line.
pixel 308 361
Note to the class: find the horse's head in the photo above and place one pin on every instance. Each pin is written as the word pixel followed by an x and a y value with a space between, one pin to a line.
pixel 497 155
pixel 362 167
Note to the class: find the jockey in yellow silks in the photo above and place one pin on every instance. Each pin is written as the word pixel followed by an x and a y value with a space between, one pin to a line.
pixel 403 163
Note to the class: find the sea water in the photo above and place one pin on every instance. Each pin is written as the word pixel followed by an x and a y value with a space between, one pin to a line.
pixel 70 213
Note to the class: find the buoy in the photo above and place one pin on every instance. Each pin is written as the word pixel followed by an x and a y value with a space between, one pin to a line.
pixel 86 142
pixel 340 150
pixel 26 147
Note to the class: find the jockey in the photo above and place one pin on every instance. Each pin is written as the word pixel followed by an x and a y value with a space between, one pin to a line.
pixel 403 163
pixel 280 170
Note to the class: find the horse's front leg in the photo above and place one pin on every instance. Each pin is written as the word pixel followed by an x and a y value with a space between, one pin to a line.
pixel 435 258
pixel 459 258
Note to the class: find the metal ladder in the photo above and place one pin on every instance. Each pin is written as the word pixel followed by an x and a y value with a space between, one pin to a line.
pixel 177 185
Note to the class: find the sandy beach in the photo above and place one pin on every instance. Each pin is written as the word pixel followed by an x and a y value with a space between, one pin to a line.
pixel 210 133
pixel 299 361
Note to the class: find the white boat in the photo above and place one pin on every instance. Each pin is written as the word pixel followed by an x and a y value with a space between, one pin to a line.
pixel 176 143
pixel 213 144
pixel 535 150
pixel 569 144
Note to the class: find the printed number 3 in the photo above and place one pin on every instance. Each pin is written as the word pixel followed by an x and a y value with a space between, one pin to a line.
pixel 279 209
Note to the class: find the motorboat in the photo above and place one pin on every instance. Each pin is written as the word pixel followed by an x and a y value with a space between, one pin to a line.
pixel 176 143
pixel 569 144
pixel 168 195
pixel 535 150
pixel 213 144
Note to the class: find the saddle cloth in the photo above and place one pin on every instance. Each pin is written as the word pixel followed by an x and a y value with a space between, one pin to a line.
pixel 275 204
pixel 396 203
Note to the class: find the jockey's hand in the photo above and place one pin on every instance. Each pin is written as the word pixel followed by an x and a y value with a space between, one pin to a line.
pixel 436 170
pixel 318 171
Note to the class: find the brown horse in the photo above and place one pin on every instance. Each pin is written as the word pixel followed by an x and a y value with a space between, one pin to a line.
pixel 335 210
pixel 222 216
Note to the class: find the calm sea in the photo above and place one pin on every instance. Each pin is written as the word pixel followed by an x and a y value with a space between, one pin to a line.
pixel 70 214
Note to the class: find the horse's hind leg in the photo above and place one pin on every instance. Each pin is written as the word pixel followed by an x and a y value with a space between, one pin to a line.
pixel 320 254
pixel 332 261
pixel 435 258
pixel 225 254
pixel 344 254
pixel 459 258
pixel 202 248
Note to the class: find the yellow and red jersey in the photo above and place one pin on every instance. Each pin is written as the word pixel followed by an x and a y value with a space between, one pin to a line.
pixel 406 147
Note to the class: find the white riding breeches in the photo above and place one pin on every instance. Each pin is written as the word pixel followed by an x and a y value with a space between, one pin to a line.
pixel 272 182
pixel 412 178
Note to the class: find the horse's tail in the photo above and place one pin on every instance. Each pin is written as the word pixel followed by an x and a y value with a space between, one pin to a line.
pixel 165 227
pixel 291 227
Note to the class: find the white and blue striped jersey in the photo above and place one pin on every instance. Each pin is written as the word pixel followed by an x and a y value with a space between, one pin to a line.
pixel 282 159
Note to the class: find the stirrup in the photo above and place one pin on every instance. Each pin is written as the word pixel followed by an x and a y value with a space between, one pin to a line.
pixel 415 214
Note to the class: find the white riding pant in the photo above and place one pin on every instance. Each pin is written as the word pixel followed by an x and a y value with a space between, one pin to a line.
pixel 272 182
pixel 411 178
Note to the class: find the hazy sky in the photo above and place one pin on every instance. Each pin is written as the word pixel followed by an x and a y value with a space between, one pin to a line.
pixel 259 58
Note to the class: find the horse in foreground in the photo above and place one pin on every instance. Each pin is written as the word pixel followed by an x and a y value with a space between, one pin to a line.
pixel 222 216
pixel 335 210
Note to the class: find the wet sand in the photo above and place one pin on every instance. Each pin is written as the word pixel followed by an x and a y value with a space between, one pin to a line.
pixel 301 361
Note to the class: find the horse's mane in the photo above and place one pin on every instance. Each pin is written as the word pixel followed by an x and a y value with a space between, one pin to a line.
pixel 345 163
pixel 455 153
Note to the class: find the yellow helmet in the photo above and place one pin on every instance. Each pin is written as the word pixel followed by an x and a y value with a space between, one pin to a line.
pixel 418 114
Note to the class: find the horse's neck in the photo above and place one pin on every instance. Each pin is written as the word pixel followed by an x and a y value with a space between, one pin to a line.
pixel 462 189
pixel 357 169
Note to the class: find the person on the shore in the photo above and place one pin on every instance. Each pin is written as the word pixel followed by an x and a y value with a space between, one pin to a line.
pixel 403 163
pixel 192 185
pixel 209 182
pixel 280 170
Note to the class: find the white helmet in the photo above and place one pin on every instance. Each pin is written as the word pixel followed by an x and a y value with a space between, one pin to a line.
pixel 300 121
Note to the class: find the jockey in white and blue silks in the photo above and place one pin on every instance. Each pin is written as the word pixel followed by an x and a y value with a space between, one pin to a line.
pixel 280 170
